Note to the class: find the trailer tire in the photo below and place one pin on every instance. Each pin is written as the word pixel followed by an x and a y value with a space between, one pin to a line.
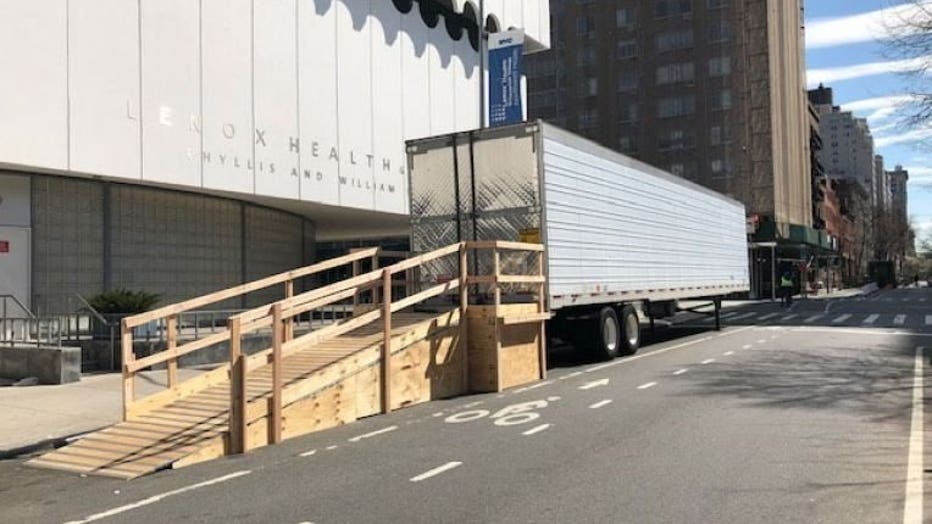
pixel 630 330
pixel 606 334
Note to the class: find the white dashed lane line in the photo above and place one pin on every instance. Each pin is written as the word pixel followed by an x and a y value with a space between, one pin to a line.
pixel 746 346
pixel 372 434
pixel 601 403
pixel 841 319
pixel 436 471
pixel 871 319
pixel 648 385
pixel 708 361
pixel 728 353
pixel 536 429
pixel 309 453
pixel 680 371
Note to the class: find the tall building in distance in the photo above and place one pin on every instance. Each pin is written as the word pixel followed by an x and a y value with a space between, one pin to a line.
pixel 896 181
pixel 710 90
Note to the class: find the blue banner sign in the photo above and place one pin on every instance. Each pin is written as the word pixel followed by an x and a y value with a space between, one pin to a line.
pixel 505 57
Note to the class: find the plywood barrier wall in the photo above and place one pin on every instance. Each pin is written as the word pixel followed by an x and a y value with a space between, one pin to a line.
pixel 502 356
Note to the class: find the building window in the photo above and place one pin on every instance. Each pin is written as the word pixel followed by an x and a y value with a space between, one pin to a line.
pixel 627 81
pixel 721 100
pixel 673 40
pixel 585 56
pixel 585 26
pixel 719 135
pixel 719 31
pixel 720 66
pixel 628 113
pixel 589 87
pixel 625 17
pixel 676 139
pixel 588 119
pixel 627 144
pixel 676 106
pixel 665 8
pixel 720 167
pixel 627 49
pixel 675 73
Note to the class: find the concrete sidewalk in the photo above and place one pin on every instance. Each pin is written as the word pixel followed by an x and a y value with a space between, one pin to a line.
pixel 37 417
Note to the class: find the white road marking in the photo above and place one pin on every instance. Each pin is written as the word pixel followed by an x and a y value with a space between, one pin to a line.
pixel 680 371
pixel 762 341
pixel 730 314
pixel 553 399
pixel 309 453
pixel 594 384
pixel 841 319
pixel 871 319
pixel 929 320
pixel 859 331
pixel 905 300
pixel 537 429
pixel 813 318
pixel 601 403
pixel 789 317
pixel 156 498
pixel 768 316
pixel 922 300
pixel 708 361
pixel 618 362
pixel 728 353
pixel 912 511
pixel 744 316
pixel 473 404
pixel 331 448
pixel 899 320
pixel 575 374
pixel 372 434
pixel 438 414
pixel 436 471
pixel 648 385
pixel 746 346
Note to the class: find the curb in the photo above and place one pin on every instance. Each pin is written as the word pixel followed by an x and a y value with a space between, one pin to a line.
pixel 46 444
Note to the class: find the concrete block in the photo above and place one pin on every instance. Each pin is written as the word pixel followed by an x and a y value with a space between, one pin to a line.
pixel 51 365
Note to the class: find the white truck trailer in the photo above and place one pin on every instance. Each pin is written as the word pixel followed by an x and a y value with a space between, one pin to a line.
pixel 622 238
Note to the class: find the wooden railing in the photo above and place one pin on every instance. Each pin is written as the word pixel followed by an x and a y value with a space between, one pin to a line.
pixel 168 317
pixel 276 317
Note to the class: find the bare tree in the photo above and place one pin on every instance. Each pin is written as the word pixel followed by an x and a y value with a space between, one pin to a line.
pixel 909 38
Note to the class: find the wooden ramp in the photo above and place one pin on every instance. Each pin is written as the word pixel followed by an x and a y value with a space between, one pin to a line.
pixel 384 357
pixel 196 427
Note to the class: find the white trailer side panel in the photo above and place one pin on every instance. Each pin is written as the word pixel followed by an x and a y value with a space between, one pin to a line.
pixel 617 229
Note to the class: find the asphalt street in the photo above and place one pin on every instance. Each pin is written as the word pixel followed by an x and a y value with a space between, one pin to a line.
pixel 805 414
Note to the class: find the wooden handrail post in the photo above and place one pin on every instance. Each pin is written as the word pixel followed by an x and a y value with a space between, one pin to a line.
pixel 541 308
pixel 128 355
pixel 171 325
pixel 289 322
pixel 386 341
pixel 464 305
pixel 278 336
pixel 237 421
pixel 356 296
pixel 497 293
pixel 375 266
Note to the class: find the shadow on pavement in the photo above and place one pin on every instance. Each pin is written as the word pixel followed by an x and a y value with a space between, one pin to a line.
pixel 564 355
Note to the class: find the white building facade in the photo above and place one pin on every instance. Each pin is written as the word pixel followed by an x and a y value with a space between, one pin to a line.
pixel 182 145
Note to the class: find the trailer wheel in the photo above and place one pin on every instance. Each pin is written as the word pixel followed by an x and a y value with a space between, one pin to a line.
pixel 607 335
pixel 631 331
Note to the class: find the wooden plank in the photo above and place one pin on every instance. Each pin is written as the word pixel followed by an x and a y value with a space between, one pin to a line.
pixel 71 468
pixel 129 385
pixel 289 322
pixel 171 328
pixel 213 449
pixel 501 244
pixel 424 295
pixel 194 303
pixel 386 362
pixel 277 357
pixel 464 308
pixel 420 260
pixel 542 309
pixel 238 403
pixel 525 319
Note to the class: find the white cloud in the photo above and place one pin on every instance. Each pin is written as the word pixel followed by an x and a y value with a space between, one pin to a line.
pixel 864 27
pixel 877 104
pixel 920 175
pixel 909 137
pixel 836 74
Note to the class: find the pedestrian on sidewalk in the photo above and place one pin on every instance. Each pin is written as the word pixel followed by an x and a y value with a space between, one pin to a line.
pixel 786 289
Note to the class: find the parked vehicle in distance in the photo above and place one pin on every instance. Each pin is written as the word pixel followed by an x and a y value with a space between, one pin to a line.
pixel 623 240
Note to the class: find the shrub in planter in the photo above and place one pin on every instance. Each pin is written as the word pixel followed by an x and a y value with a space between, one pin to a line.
pixel 124 302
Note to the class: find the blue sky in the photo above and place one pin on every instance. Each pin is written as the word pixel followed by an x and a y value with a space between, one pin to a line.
pixel 844 48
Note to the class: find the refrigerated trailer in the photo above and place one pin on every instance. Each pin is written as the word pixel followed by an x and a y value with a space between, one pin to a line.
pixel 623 240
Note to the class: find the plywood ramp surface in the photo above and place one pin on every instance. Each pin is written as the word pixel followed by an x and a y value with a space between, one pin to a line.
pixel 195 427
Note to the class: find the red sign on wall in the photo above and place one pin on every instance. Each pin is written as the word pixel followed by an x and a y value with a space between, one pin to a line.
pixel 4 246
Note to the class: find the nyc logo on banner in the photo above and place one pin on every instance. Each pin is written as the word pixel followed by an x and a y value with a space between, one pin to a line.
pixel 505 62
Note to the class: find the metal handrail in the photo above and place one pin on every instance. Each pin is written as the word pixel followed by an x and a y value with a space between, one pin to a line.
pixel 92 309
pixel 3 311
